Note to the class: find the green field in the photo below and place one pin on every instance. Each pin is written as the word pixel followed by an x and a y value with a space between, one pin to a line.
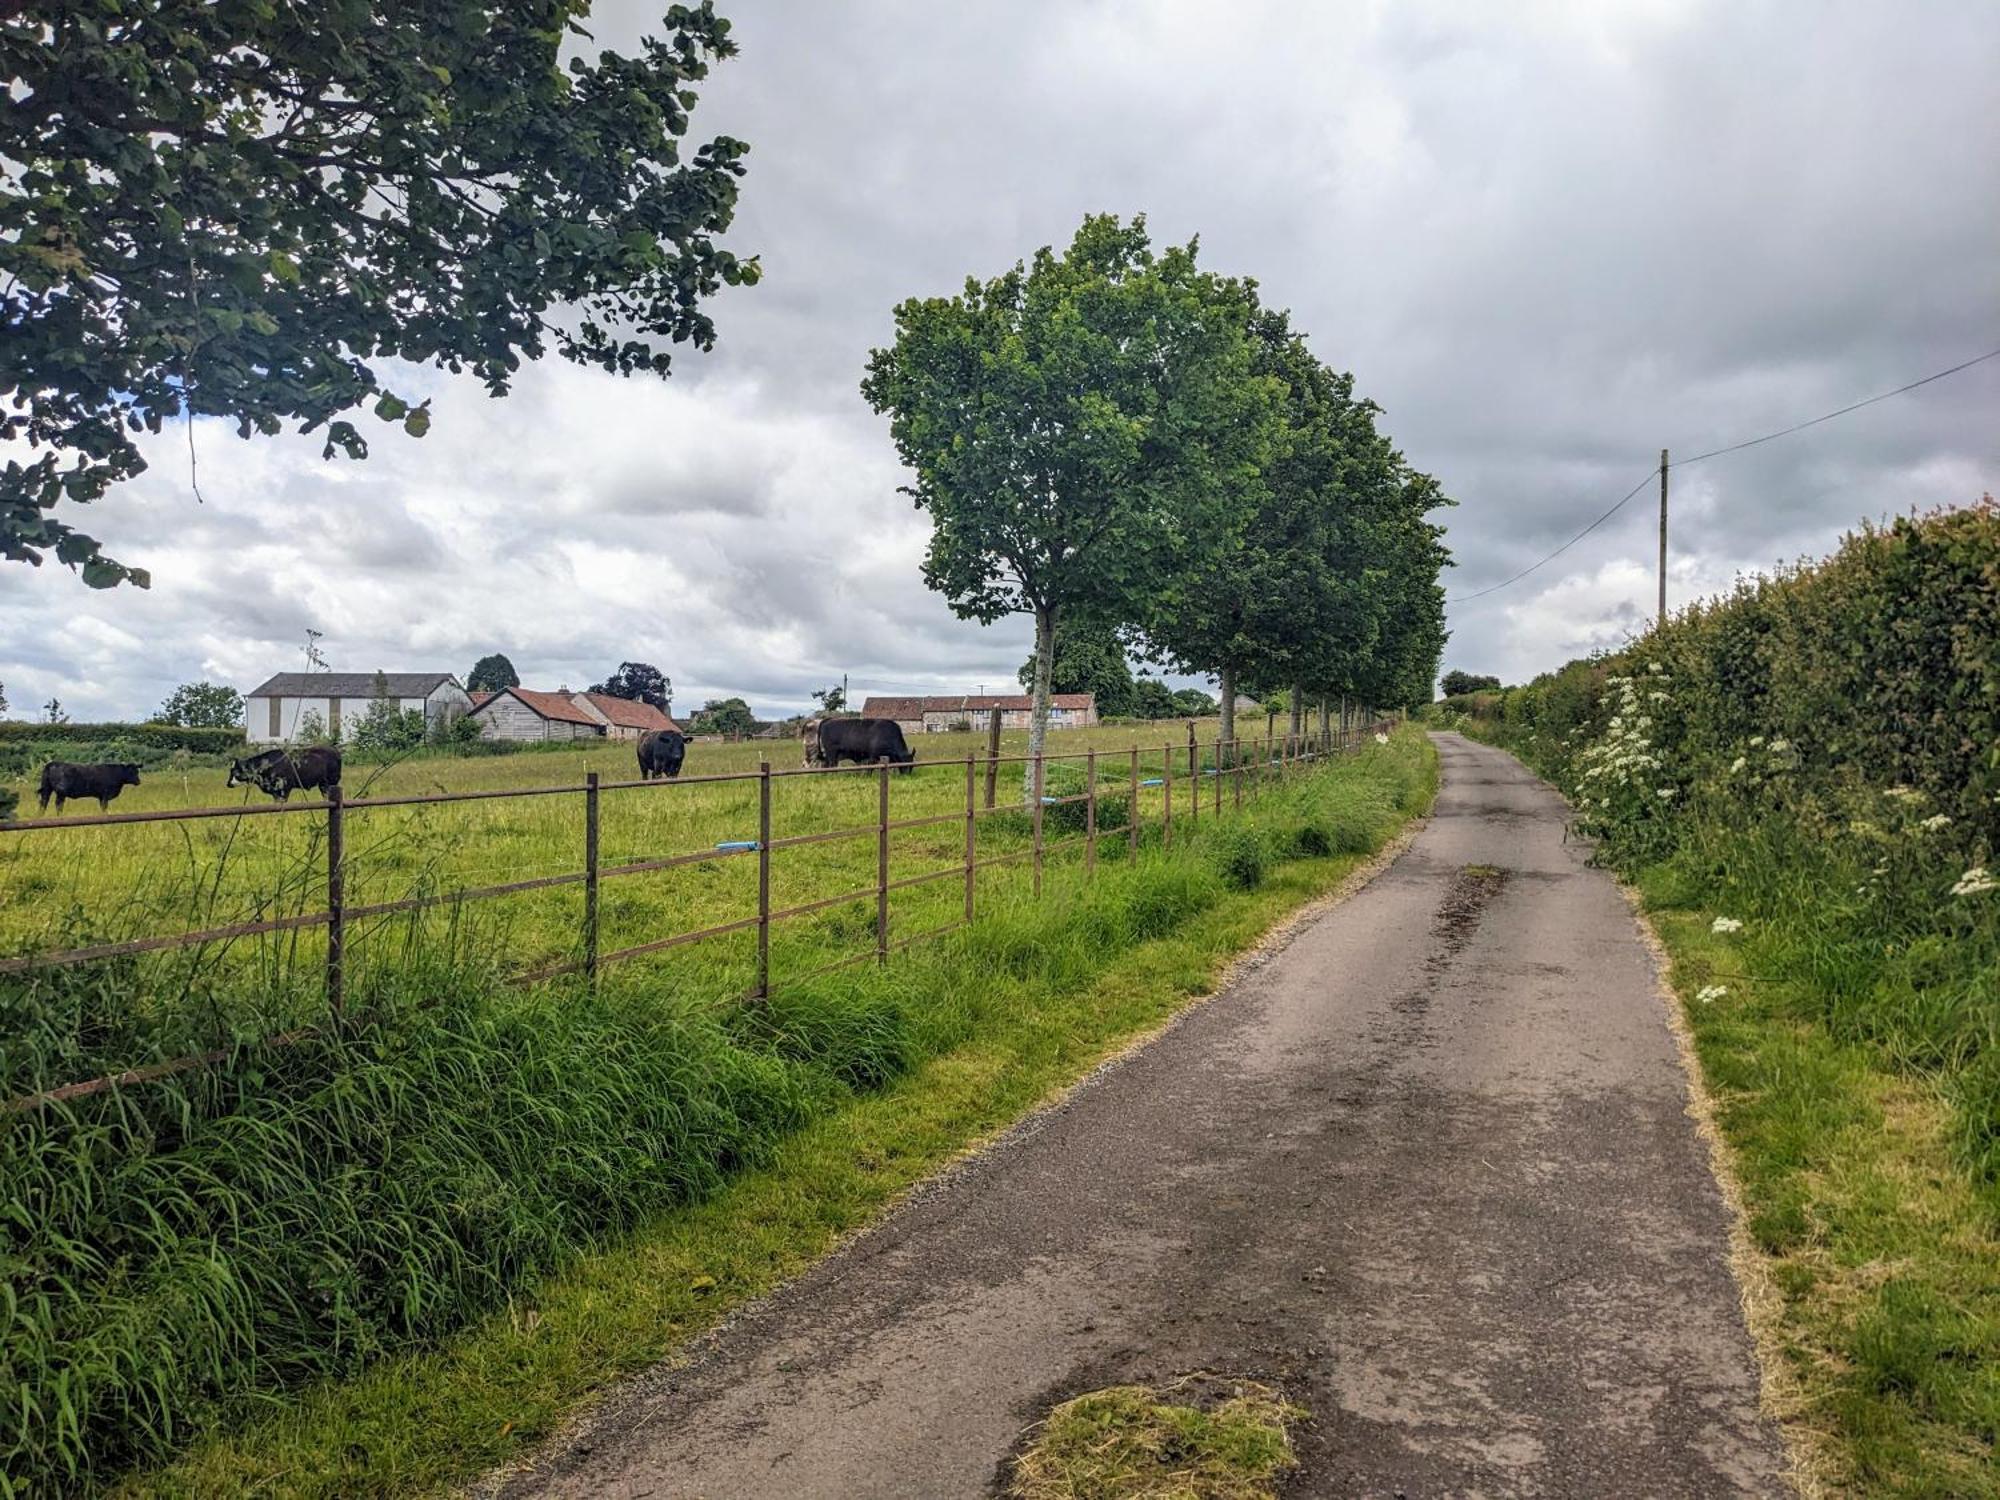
pixel 452 1201
pixel 77 887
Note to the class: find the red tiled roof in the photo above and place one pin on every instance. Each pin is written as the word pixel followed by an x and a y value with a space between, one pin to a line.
pixel 478 698
pixel 893 708
pixel 629 713
pixel 916 708
pixel 549 705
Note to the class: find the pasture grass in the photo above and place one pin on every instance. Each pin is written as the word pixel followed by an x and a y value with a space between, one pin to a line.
pixel 386 1259
pixel 1201 1438
pixel 75 887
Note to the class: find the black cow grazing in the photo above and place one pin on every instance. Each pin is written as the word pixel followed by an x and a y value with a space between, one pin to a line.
pixel 279 773
pixel 864 741
pixel 64 779
pixel 661 752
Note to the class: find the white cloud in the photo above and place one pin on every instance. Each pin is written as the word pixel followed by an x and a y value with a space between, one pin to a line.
pixel 1549 239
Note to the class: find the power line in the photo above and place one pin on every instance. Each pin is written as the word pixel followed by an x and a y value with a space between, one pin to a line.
pixel 1717 453
pixel 1462 598
pixel 1682 463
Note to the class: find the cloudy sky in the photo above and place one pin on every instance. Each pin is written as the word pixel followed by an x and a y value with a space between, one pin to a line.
pixel 1548 239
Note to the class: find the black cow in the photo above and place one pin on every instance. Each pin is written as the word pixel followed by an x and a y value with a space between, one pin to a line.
pixel 864 741
pixel 661 752
pixel 64 779
pixel 279 773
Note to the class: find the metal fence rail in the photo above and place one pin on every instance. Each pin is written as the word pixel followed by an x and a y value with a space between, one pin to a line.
pixel 1257 760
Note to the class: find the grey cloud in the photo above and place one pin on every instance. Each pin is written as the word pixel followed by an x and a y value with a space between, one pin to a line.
pixel 1548 240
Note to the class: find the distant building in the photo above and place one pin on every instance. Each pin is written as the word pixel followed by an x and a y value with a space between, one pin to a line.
pixel 940 715
pixel 517 713
pixel 338 701
pixel 622 718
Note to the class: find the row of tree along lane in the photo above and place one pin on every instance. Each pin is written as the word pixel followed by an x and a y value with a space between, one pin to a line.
pixel 1115 439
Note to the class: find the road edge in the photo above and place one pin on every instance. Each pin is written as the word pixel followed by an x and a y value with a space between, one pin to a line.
pixel 634 1389
pixel 1779 1393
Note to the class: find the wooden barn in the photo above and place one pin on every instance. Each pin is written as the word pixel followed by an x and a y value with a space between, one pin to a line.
pixel 524 714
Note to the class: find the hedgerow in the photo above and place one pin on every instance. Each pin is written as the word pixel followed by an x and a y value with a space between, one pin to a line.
pixel 1817 754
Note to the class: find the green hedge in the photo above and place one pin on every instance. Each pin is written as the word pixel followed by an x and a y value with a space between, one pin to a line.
pixel 1817 755
pixel 164 736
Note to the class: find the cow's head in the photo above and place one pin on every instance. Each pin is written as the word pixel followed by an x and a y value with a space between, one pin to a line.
pixel 128 772
pixel 240 774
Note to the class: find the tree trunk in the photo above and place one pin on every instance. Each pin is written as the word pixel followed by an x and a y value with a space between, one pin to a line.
pixel 1298 711
pixel 1228 717
pixel 1038 713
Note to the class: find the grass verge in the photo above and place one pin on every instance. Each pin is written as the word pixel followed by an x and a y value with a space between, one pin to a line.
pixel 1883 1253
pixel 1202 1438
pixel 910 1065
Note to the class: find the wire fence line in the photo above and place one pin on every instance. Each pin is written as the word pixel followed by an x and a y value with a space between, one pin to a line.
pixel 1217 774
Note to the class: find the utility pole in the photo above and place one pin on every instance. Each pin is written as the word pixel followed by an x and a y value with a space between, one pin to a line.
pixel 1662 620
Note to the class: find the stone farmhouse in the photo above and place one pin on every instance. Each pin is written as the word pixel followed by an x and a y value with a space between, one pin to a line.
pixel 940 715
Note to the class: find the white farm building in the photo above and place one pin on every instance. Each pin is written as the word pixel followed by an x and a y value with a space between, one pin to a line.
pixel 340 700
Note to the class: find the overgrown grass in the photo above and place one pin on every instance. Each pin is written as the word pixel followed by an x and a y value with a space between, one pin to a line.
pixel 606 1170
pixel 1202 1438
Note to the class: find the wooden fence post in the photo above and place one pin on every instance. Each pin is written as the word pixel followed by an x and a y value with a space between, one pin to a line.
pixel 1090 812
pixel 1236 766
pixel 336 903
pixel 1038 823
pixel 992 753
pixel 971 819
pixel 882 869
pixel 1194 768
pixel 1132 808
pixel 763 878
pixel 590 877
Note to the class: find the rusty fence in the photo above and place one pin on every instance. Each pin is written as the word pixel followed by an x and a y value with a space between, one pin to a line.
pixel 1218 774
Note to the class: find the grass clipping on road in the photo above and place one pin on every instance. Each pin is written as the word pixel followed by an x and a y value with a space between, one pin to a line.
pixel 1202 1438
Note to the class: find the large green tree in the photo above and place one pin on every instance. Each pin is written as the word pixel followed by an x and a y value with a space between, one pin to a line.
pixel 491 673
pixel 1089 658
pixel 202 705
pixel 1079 428
pixel 1292 589
pixel 236 209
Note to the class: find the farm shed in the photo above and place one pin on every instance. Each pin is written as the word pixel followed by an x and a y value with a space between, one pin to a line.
pixel 622 718
pixel 274 711
pixel 524 714
pixel 940 714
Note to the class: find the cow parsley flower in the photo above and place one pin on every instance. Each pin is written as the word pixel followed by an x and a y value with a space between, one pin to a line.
pixel 1381 739
pixel 1708 994
pixel 1726 924
pixel 1935 822
pixel 1666 792
pixel 1756 740
pixel 1779 747
pixel 1975 882
pixel 1736 766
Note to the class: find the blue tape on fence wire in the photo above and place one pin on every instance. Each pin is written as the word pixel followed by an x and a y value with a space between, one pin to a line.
pixel 737 844
pixel 1151 781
